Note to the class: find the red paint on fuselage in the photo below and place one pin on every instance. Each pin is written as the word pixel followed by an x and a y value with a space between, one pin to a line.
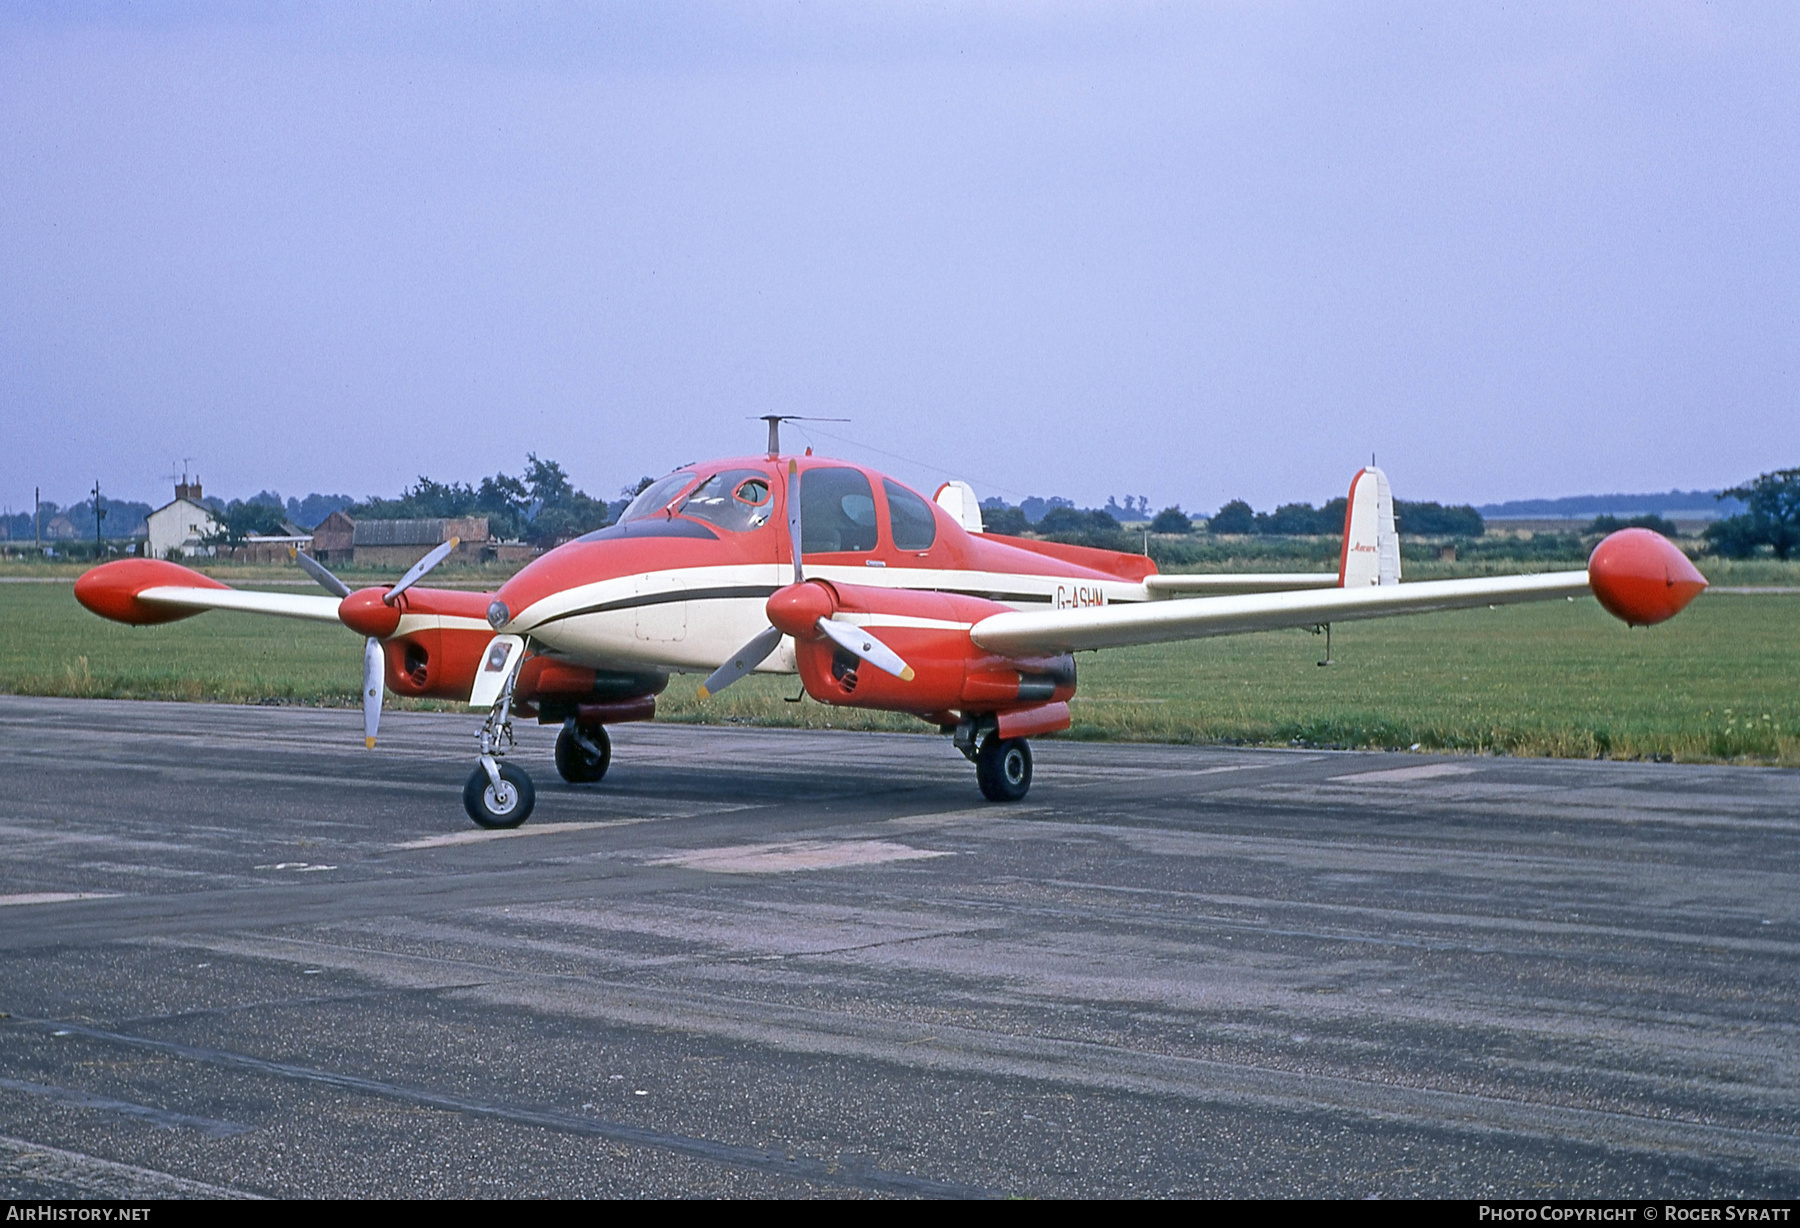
pixel 955 549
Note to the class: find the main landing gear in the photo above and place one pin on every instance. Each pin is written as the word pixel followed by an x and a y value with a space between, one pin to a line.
pixel 1002 765
pixel 582 755
pixel 1003 768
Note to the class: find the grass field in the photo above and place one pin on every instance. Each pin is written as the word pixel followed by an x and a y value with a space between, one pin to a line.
pixel 1719 683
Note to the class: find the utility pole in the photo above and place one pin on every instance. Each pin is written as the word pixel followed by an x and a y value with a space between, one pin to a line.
pixel 37 518
pixel 99 515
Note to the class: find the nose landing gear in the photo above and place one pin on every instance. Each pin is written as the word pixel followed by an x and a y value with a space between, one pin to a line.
pixel 498 795
pixel 501 799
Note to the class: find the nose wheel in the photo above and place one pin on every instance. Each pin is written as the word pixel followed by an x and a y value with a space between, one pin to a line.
pixel 498 795
pixel 1003 768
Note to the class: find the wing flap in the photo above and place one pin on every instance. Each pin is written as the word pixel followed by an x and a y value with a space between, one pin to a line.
pixel 1025 633
pixel 285 605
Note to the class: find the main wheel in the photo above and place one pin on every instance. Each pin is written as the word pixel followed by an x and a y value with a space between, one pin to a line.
pixel 574 763
pixel 508 807
pixel 1003 768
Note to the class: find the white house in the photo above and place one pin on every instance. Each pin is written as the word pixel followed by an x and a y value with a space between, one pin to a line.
pixel 179 525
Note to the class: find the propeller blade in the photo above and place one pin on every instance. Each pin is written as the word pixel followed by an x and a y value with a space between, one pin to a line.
pixel 793 510
pixel 860 642
pixel 417 571
pixel 372 690
pixel 748 658
pixel 316 569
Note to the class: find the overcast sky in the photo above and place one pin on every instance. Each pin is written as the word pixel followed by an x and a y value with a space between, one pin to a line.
pixel 1191 251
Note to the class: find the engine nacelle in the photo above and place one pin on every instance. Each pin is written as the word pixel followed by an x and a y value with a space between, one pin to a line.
pixel 433 640
pixel 931 632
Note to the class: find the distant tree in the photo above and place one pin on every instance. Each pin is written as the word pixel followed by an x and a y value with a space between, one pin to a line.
pixel 548 484
pixel 242 519
pixel 1081 528
pixel 1036 509
pixel 560 511
pixel 1436 520
pixel 542 507
pixel 1331 516
pixel 997 517
pixel 310 511
pixel 1773 518
pixel 1292 520
pixel 637 488
pixel 1604 524
pixel 1732 538
pixel 1171 520
pixel 1234 517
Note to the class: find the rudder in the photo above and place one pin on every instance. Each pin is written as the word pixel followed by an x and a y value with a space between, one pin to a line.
pixel 1371 553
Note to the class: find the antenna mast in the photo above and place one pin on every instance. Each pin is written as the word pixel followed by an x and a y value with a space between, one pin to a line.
pixel 775 421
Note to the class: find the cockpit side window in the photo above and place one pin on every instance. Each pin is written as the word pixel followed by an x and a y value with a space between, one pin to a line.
pixel 656 496
pixel 915 528
pixel 737 499
pixel 837 511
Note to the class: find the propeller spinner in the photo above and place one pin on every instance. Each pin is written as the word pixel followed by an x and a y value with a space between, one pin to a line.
pixel 818 609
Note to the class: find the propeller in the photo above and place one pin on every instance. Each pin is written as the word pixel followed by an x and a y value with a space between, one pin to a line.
pixel 316 569
pixel 857 641
pixel 373 688
pixel 373 684
pixel 417 571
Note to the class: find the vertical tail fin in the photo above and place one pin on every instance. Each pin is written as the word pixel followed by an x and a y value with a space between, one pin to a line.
pixel 958 498
pixel 1371 545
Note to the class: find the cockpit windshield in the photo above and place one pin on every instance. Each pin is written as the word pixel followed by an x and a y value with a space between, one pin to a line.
pixel 656 496
pixel 737 500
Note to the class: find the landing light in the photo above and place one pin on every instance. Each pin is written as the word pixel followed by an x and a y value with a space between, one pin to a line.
pixel 498 615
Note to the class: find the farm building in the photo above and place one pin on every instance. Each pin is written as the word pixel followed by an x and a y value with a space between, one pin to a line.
pixel 178 526
pixel 341 540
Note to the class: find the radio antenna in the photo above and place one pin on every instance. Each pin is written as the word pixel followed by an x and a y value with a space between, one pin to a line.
pixel 775 421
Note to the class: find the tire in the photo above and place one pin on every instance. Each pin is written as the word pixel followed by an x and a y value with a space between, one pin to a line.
pixel 1003 768
pixel 492 812
pixel 574 764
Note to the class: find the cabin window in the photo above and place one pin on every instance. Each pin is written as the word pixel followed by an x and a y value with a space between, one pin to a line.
pixel 737 499
pixel 656 496
pixel 915 528
pixel 837 511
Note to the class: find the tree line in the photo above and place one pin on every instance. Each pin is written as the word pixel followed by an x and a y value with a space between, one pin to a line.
pixel 1063 521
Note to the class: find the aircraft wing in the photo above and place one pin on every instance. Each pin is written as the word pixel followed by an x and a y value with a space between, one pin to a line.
pixel 288 605
pixel 1049 632
pixel 1184 584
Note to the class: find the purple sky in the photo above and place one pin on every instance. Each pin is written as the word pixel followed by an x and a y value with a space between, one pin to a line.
pixel 1192 251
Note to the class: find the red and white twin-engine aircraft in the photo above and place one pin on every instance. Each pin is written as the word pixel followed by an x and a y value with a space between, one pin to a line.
pixel 875 596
